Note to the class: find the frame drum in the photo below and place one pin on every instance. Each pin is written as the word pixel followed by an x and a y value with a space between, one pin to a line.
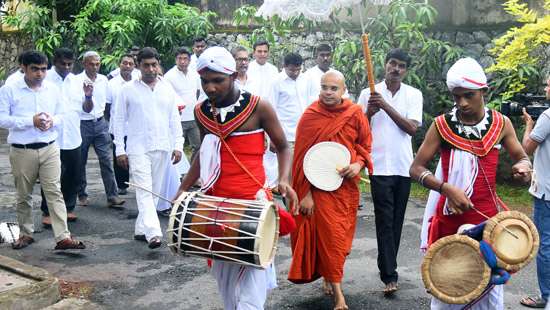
pixel 453 271
pixel 512 253
pixel 240 231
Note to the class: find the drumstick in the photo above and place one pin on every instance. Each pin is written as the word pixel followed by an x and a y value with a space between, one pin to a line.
pixel 150 191
pixel 488 218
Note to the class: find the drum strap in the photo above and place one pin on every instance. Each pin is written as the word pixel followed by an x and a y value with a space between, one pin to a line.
pixel 263 186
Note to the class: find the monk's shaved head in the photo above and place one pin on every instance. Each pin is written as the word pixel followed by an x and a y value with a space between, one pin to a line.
pixel 333 87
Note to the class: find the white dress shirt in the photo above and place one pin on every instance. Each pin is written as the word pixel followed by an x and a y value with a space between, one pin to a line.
pixel 186 86
pixel 193 63
pixel 152 117
pixel 18 105
pixel 395 157
pixel 314 75
pixel 261 78
pixel 290 98
pixel 113 90
pixel 69 137
pixel 99 95
pixel 14 77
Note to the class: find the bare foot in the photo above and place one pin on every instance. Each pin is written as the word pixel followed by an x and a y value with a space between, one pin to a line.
pixel 390 289
pixel 340 301
pixel 327 288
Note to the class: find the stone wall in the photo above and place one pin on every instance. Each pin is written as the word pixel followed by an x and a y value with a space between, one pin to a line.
pixel 11 44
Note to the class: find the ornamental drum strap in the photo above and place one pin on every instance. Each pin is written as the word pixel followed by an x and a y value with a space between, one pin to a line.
pixel 513 251
pixel 453 270
pixel 240 231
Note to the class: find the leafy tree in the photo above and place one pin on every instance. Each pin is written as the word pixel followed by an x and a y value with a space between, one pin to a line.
pixel 112 26
pixel 518 51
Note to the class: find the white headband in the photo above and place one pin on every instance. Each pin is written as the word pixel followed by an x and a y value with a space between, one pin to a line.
pixel 466 73
pixel 217 59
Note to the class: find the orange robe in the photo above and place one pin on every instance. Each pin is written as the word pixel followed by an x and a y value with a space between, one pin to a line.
pixel 321 242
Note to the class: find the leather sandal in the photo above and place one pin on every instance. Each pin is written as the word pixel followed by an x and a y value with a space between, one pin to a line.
pixel 22 242
pixel 154 243
pixel 69 244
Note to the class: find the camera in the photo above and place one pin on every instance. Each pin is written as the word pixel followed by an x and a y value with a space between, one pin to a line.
pixel 533 104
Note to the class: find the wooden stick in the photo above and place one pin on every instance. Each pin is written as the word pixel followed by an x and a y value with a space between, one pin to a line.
pixel 150 191
pixel 368 61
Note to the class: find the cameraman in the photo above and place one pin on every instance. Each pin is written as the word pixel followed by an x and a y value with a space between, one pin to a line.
pixel 537 140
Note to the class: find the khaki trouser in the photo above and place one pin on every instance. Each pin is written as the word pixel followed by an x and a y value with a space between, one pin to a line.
pixel 44 163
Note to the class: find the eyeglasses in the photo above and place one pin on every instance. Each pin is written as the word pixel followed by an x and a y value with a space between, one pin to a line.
pixel 241 59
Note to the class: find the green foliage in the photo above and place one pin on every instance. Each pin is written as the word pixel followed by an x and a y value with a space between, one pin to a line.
pixel 111 27
pixel 517 62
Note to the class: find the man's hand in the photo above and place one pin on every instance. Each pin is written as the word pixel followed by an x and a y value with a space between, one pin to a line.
pixel 122 161
pixel 42 121
pixel 88 88
pixel 377 101
pixel 457 200
pixel 529 122
pixel 350 171
pixel 176 157
pixel 371 110
pixel 522 170
pixel 306 205
pixel 286 191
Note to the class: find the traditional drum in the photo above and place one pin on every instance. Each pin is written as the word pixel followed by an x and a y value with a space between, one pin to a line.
pixel 321 164
pixel 240 231
pixel 454 271
pixel 512 251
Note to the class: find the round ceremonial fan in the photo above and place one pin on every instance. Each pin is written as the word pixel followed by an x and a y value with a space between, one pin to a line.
pixel 322 162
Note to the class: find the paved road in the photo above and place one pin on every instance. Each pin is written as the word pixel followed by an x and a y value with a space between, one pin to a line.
pixel 125 274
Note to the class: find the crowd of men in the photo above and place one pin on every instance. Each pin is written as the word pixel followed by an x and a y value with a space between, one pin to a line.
pixel 249 127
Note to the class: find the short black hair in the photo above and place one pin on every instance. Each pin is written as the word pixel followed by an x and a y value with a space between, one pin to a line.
pixel 323 47
pixel 127 55
pixel 260 43
pixel 399 54
pixel 147 53
pixel 237 49
pixel 293 59
pixel 63 53
pixel 183 50
pixel 199 39
pixel 33 57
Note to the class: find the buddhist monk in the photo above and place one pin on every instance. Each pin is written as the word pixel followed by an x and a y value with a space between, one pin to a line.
pixel 326 220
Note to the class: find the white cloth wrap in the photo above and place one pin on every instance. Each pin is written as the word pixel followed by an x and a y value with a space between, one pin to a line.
pixel 466 73
pixel 217 59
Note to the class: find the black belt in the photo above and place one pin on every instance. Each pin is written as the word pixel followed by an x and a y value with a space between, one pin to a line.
pixel 32 146
pixel 92 120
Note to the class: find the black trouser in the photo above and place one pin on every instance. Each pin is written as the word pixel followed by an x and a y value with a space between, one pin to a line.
pixel 70 179
pixel 121 175
pixel 389 195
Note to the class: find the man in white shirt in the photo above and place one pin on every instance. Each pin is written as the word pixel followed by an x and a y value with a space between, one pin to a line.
pixel 68 137
pixel 323 59
pixel 89 90
pixel 242 60
pixel 135 72
pixel 394 113
pixel 30 109
pixel 127 66
pixel 199 45
pixel 187 84
pixel 148 108
pixel 260 72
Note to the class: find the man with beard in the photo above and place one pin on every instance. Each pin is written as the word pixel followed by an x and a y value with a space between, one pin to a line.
pixel 242 60
pixel 146 110
pixel 241 120
pixel 394 112
pixel 126 67
pixel 68 137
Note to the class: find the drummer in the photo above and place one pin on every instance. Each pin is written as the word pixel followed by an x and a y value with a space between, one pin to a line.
pixel 326 220
pixel 468 139
pixel 232 166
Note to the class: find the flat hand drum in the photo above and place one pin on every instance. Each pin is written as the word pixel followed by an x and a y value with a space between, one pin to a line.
pixel 512 253
pixel 240 231
pixel 453 271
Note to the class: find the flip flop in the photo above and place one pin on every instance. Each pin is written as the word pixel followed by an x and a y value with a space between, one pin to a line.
pixel 69 244
pixel 533 302
pixel 390 289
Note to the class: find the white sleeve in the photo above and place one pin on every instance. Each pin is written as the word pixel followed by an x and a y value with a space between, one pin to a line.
pixel 414 111
pixel 364 98
pixel 120 118
pixel 175 123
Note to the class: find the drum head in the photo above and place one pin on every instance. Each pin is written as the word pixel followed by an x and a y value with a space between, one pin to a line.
pixel 268 230
pixel 512 251
pixel 453 271
pixel 321 164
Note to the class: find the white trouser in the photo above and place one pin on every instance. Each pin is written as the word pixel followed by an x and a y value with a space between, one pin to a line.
pixel 494 300
pixel 243 287
pixel 148 170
